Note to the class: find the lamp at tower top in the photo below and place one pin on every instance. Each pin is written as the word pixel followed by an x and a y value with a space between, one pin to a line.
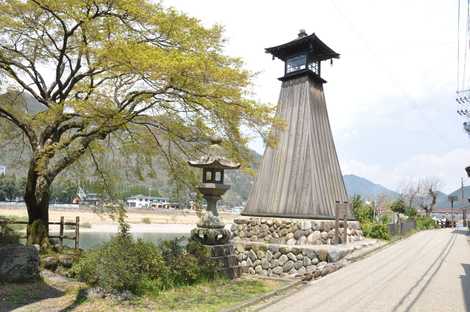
pixel 303 56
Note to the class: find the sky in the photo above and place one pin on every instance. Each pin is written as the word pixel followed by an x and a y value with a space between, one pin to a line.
pixel 390 96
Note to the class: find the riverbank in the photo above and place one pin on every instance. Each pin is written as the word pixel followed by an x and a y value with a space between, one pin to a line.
pixel 95 229
pixel 140 228
pixel 168 221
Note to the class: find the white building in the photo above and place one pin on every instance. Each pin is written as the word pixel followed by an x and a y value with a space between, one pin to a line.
pixel 3 170
pixel 141 201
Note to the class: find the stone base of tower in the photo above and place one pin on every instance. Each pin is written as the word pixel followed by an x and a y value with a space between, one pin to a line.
pixel 305 262
pixel 293 232
pixel 295 248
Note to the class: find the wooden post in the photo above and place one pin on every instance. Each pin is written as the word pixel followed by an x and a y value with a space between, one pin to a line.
pixel 77 232
pixel 345 224
pixel 337 222
pixel 61 233
pixel 399 224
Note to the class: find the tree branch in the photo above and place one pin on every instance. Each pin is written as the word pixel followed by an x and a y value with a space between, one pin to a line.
pixel 27 130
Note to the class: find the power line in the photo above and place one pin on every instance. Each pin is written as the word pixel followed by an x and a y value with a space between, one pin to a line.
pixel 464 78
pixel 464 73
pixel 466 46
pixel 410 99
pixel 463 82
pixel 458 46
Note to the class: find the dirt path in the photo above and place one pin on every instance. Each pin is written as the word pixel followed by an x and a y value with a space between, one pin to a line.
pixel 53 293
pixel 429 271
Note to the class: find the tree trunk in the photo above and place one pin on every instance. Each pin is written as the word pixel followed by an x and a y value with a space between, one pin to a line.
pixel 36 197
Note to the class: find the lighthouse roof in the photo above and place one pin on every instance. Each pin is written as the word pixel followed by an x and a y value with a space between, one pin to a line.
pixel 304 43
pixel 215 158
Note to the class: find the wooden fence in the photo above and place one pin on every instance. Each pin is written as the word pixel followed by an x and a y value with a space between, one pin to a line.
pixel 61 236
pixel 401 227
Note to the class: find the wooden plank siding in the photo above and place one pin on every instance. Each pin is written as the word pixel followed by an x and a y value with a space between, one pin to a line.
pixel 301 177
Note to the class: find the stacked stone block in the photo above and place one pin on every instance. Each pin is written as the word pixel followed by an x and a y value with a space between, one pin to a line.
pixel 285 261
pixel 292 231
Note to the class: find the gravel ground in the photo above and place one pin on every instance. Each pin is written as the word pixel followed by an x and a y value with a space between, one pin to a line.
pixel 430 271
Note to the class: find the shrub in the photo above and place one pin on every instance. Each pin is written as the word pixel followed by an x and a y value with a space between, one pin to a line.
pixel 120 264
pixel 186 265
pixel 202 255
pixel 385 219
pixel 128 264
pixel 364 213
pixel 411 212
pixel 375 230
pixel 398 206
pixel 425 223
pixel 146 220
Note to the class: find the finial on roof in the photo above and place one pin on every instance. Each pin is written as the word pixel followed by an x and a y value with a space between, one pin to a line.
pixel 215 139
pixel 214 157
pixel 302 33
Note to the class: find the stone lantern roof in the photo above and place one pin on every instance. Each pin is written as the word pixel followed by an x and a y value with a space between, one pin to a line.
pixel 214 158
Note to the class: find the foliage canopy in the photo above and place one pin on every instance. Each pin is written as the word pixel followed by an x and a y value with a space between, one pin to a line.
pixel 131 76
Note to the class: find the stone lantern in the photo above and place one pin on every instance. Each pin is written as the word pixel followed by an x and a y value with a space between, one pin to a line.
pixel 210 230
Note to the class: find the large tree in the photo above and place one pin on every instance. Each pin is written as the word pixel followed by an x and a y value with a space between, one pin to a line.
pixel 152 77
pixel 430 188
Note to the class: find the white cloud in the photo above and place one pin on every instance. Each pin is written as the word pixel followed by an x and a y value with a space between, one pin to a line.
pixel 391 94
pixel 448 167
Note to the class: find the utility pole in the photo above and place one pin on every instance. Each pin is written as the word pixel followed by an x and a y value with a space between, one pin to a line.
pixel 452 199
pixel 462 194
pixel 461 190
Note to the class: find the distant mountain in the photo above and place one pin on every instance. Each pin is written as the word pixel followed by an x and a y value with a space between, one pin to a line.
pixel 443 201
pixel 366 189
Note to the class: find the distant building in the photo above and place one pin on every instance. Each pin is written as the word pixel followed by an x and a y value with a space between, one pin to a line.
pixel 3 170
pixel 91 199
pixel 86 198
pixel 142 201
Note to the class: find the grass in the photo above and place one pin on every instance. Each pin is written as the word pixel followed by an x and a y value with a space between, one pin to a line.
pixel 211 296
pixel 205 296
pixel 202 297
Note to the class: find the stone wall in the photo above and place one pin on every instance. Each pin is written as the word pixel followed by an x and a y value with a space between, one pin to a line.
pixel 276 260
pixel 287 261
pixel 292 231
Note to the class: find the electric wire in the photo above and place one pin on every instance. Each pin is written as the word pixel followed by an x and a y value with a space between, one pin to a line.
pixel 464 74
pixel 464 80
pixel 458 46
pixel 372 52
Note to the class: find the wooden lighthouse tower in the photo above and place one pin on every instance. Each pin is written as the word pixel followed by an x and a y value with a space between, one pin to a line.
pixel 301 177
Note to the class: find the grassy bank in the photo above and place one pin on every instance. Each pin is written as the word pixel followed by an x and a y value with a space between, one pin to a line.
pixel 57 294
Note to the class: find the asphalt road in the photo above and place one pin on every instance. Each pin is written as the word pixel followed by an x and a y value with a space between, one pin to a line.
pixel 430 271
